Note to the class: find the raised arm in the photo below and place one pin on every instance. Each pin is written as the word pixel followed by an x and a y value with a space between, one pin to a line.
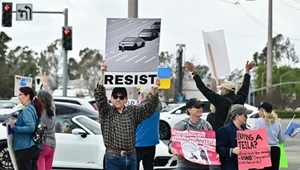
pixel 100 94
pixel 243 92
pixel 147 108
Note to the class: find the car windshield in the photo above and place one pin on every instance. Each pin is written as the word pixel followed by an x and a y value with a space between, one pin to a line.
pixel 89 124
pixel 147 30
pixel 172 106
pixel 130 39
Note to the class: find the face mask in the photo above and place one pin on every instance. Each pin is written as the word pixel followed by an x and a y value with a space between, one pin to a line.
pixel 223 92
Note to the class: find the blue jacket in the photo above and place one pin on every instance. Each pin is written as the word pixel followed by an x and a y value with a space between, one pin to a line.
pixel 24 128
pixel 226 141
pixel 147 133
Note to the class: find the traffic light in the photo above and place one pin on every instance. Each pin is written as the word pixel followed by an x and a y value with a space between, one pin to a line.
pixel 67 38
pixel 6 14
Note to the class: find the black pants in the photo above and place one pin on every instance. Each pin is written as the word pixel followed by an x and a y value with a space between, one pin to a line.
pixel 27 158
pixel 146 155
pixel 275 158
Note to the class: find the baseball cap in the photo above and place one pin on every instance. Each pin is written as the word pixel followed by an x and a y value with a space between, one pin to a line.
pixel 238 109
pixel 193 102
pixel 121 90
pixel 266 106
pixel 228 85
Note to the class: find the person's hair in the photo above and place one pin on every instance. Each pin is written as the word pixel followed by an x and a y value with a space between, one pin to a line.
pixel 47 100
pixel 212 108
pixel 35 101
pixel 269 117
pixel 65 121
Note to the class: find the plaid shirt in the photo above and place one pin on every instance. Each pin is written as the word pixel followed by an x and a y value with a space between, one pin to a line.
pixel 118 129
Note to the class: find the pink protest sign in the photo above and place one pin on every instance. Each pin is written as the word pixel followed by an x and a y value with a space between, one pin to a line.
pixel 196 146
pixel 254 152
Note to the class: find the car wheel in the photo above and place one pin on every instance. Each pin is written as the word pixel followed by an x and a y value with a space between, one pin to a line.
pixel 143 44
pixel 5 161
pixel 164 130
pixel 135 46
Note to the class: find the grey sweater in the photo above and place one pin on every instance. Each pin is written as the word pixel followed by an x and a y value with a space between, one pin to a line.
pixel 50 123
pixel 184 125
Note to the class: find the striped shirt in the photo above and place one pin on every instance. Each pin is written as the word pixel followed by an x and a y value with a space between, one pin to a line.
pixel 119 129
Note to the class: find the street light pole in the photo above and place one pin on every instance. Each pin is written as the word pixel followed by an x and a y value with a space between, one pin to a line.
pixel 270 49
pixel 280 79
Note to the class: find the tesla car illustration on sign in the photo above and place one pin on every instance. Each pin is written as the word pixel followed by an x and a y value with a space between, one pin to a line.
pixel 156 26
pixel 131 43
pixel 148 34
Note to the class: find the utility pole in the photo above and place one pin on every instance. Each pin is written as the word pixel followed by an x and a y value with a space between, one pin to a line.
pixel 179 76
pixel 270 49
pixel 133 13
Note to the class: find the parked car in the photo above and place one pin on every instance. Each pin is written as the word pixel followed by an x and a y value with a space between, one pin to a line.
pixel 88 103
pixel 7 104
pixel 82 147
pixel 148 34
pixel 170 118
pixel 131 43
pixel 63 110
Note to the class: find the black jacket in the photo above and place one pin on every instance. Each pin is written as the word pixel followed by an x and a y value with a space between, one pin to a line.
pixel 223 103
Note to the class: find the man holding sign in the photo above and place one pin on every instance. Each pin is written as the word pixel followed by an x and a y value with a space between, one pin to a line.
pixel 228 97
pixel 119 123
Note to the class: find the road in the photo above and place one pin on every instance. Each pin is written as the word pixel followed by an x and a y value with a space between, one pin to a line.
pixel 291 147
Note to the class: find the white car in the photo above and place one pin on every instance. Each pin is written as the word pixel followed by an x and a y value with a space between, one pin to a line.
pixel 88 103
pixel 81 146
pixel 173 116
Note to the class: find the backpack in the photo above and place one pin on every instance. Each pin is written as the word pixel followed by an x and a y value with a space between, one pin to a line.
pixel 39 134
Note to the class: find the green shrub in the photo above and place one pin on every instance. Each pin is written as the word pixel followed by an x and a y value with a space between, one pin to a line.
pixel 287 114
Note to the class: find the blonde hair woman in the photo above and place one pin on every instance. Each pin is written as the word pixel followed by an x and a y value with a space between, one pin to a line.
pixel 269 120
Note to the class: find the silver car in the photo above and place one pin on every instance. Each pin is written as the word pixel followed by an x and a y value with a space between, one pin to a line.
pixel 131 43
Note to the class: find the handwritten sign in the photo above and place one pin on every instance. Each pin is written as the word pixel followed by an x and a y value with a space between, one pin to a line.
pixel 254 152
pixel 196 146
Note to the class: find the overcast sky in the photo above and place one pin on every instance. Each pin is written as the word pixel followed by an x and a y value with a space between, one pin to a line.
pixel 182 22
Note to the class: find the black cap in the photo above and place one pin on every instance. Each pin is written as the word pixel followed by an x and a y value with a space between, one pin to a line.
pixel 266 106
pixel 121 90
pixel 239 109
pixel 193 102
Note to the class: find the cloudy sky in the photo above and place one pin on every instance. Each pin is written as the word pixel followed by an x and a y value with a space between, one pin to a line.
pixel 244 24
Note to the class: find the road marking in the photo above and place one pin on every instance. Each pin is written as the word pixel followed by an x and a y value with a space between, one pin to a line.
pixel 140 59
pixel 116 23
pixel 136 56
pixel 145 21
pixel 121 28
pixel 113 57
pixel 121 58
pixel 150 59
pixel 130 21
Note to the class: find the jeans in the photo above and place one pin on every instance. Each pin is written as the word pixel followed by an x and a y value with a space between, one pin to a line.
pixel 118 162
pixel 46 158
pixel 27 158
pixel 146 155
pixel 214 167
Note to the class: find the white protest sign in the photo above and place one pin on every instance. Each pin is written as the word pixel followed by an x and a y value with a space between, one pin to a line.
pixel 37 83
pixel 21 81
pixel 216 53
pixel 131 102
pixel 131 52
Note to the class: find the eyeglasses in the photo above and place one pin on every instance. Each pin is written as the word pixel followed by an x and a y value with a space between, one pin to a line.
pixel 120 97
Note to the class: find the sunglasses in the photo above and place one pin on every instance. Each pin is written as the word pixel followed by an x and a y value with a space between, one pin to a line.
pixel 120 97
pixel 139 93
pixel 197 107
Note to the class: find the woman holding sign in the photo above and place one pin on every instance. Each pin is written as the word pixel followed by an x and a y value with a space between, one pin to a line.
pixel 269 120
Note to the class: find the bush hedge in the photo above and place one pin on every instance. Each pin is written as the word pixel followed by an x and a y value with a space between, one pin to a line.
pixel 287 114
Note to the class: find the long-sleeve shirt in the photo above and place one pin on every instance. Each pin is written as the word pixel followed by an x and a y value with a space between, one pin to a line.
pixel 274 131
pixel 119 129
pixel 50 123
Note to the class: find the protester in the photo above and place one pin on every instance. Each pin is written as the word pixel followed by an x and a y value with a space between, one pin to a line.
pixel 226 137
pixel 147 134
pixel 119 123
pixel 227 98
pixel 211 116
pixel 269 121
pixel 26 151
pixel 48 118
pixel 194 122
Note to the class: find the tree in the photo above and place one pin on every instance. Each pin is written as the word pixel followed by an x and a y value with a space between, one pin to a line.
pixel 89 67
pixel 74 72
pixel 283 53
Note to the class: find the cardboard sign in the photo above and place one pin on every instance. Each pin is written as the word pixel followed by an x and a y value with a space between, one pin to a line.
pixel 254 151
pixel 21 81
pixel 196 146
